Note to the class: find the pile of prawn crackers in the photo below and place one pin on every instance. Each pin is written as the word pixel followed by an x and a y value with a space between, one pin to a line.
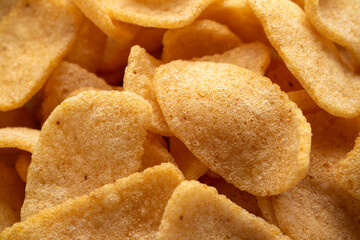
pixel 179 119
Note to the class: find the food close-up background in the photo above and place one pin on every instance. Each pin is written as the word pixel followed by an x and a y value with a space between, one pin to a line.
pixel 179 119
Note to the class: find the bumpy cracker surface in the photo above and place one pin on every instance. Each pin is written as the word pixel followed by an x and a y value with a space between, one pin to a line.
pixel 189 165
pixel 253 56
pixel 196 211
pixel 34 37
pixel 88 48
pixel 160 13
pixel 317 208
pixel 154 152
pixel 66 78
pixel 89 140
pixel 338 21
pixel 19 137
pixel 203 37
pixel 348 175
pixel 237 123
pixel 138 79
pixel 309 57
pixel 11 196
pixel 130 208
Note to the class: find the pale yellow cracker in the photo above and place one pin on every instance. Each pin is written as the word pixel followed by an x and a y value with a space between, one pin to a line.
pixel 66 78
pixel 253 56
pixel 310 57
pixel 196 211
pixel 202 37
pixel 189 165
pixel 237 123
pixel 130 208
pixel 89 140
pixel 138 79
pixel 19 137
pixel 348 175
pixel 34 37
pixel 338 21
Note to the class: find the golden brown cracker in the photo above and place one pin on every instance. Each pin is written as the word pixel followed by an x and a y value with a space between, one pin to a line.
pixel 202 37
pixel 130 208
pixel 189 165
pixel 85 143
pixel 138 78
pixel 196 211
pixel 253 56
pixel 237 123
pixel 66 78
pixel 310 57
pixel 34 38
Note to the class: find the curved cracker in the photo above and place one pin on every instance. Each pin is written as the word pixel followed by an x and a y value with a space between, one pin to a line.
pixel 19 137
pixel 34 38
pixel 89 140
pixel 138 78
pixel 196 211
pixel 237 123
pixel 201 38
pixel 338 21
pixel 130 208
pixel 348 175
pixel 309 57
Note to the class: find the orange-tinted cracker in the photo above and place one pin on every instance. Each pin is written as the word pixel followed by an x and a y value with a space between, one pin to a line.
pixel 338 21
pixel 237 123
pixel 267 209
pixel 317 208
pixel 34 37
pixel 239 17
pixel 20 117
pixel 154 152
pixel 196 211
pixel 304 101
pixel 280 74
pixel 130 208
pixel 89 140
pixel 203 37
pixel 19 137
pixel 66 78
pixel 22 163
pixel 88 48
pixel 253 56
pixel 160 13
pixel 6 6
pixel 11 196
pixel 309 57
pixel 189 165
pixel 116 53
pixel 348 175
pixel 138 79
pixel 243 199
